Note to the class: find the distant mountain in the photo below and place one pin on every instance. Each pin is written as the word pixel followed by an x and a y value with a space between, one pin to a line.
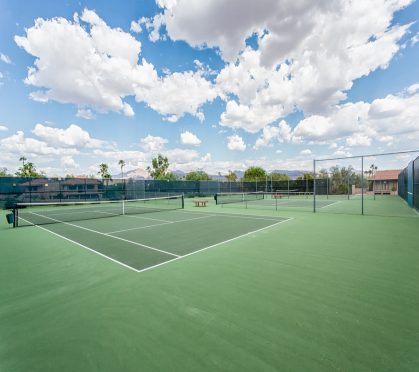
pixel 137 174
pixel 179 173
pixel 290 173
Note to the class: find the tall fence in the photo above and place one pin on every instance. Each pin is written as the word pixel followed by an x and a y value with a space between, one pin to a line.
pixel 31 190
pixel 416 183
pixel 379 184
pixel 409 184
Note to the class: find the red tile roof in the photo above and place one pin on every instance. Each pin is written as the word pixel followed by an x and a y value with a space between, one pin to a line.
pixel 386 175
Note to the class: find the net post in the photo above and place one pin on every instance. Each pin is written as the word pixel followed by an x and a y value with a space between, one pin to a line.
pixel 373 188
pixel 362 185
pixel 327 187
pixel 348 184
pixel 30 190
pixel 85 189
pixel 15 216
pixel 183 201
pixel 314 186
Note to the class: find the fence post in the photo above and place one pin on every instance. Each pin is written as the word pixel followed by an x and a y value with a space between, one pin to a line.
pixel 314 186
pixel 362 185
pixel 30 190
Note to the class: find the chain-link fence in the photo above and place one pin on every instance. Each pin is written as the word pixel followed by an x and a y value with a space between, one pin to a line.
pixel 378 184
pixel 30 190
pixel 384 184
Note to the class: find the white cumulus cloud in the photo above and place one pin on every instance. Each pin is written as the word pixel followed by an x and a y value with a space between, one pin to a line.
pixel 73 136
pixel 236 143
pixel 18 145
pixel 188 138
pixel 153 143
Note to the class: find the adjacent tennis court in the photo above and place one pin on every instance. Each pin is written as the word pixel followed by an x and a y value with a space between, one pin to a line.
pixel 139 234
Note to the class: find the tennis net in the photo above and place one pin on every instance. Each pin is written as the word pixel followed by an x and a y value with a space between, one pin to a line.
pixel 47 213
pixel 238 197
pixel 289 195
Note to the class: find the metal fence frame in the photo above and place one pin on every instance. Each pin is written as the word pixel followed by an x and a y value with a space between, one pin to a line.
pixel 316 161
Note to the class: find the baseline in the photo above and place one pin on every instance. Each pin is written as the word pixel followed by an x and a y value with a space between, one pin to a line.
pixel 217 244
pixel 110 236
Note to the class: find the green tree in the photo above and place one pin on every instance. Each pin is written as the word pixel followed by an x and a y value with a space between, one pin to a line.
pixel 279 176
pixel 3 172
pixel 231 176
pixel 169 176
pixel 254 173
pixel 305 176
pixel 323 173
pixel 342 178
pixel 159 167
pixel 28 170
pixel 104 173
pixel 198 175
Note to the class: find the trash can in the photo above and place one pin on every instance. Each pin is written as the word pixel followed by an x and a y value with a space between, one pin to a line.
pixel 10 218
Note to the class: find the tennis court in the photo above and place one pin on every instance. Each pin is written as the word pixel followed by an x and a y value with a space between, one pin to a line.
pixel 289 202
pixel 139 234
pixel 220 288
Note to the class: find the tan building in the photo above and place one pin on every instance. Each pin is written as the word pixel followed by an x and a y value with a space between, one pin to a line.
pixel 385 182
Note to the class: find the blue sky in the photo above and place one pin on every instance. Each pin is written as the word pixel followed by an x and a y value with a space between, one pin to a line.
pixel 210 84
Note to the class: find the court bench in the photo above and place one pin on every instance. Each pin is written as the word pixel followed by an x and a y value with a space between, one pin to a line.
pixel 382 192
pixel 200 203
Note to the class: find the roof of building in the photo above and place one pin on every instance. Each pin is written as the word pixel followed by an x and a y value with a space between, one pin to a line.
pixel 69 181
pixel 80 181
pixel 386 175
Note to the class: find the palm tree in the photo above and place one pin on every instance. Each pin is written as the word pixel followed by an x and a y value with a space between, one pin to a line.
pixel 22 159
pixel 373 169
pixel 104 173
pixel 121 163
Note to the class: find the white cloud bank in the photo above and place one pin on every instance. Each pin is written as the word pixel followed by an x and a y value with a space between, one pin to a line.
pixel 309 52
pixel 88 63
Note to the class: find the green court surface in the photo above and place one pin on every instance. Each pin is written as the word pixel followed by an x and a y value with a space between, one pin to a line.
pixel 380 205
pixel 219 289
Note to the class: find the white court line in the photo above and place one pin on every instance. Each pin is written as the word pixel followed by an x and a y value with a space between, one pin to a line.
pixel 157 224
pixel 177 257
pixel 132 216
pixel 250 217
pixel 335 202
pixel 83 246
pixel 107 213
pixel 215 245
pixel 109 236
